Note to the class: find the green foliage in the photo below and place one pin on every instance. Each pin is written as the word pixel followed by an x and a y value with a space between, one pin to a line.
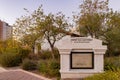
pixel 30 40
pixel 94 6
pixel 37 26
pixel 112 64
pixel 25 28
pixel 54 67
pixel 105 76
pixel 45 54
pixel 10 59
pixel 29 64
pixel 43 67
pixel 33 56
pixel 92 18
pixel 23 53
pixel 52 27
pixel 112 38
pixel 99 21
pixel 11 53
pixel 10 46
pixel 49 68
pixel 56 54
pixel 112 70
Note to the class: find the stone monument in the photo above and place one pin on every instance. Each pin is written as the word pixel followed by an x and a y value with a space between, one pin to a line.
pixel 81 57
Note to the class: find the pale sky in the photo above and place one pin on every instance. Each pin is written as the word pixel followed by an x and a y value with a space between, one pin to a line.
pixel 12 9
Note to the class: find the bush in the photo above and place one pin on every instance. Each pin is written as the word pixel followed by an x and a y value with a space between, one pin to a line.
pixel 45 54
pixel 54 67
pixel 23 53
pixel 29 65
pixel 33 56
pixel 42 66
pixel 56 53
pixel 112 64
pixel 112 67
pixel 49 67
pixel 105 76
pixel 9 59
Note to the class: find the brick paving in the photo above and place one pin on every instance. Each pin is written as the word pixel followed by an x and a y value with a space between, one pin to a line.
pixel 19 75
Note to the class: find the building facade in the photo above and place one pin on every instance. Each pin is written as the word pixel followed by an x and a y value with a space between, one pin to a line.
pixel 5 30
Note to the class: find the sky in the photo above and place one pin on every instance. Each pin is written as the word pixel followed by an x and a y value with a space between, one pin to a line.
pixel 10 10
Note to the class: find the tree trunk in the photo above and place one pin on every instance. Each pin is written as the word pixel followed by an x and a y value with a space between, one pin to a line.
pixel 52 50
pixel 33 49
pixel 109 51
pixel 51 46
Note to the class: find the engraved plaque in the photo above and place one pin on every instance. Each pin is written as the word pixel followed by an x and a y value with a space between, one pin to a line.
pixel 82 60
pixel 80 40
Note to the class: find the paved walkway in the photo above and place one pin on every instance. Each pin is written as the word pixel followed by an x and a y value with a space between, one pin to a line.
pixel 19 74
pixel 2 69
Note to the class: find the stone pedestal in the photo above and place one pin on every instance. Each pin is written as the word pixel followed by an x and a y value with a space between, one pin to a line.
pixel 87 56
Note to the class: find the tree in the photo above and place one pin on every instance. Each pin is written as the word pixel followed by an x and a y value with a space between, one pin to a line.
pixel 93 16
pixel 52 26
pixel 38 26
pixel 24 28
pixel 30 40
pixel 99 21
pixel 111 33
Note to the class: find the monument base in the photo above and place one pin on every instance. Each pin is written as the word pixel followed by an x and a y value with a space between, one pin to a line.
pixel 77 75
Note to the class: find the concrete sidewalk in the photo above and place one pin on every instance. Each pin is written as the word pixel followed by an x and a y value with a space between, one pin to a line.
pixel 19 74
pixel 2 69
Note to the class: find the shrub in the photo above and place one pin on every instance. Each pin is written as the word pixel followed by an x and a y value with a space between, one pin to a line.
pixel 23 53
pixel 49 67
pixel 105 76
pixel 45 54
pixel 9 59
pixel 56 53
pixel 112 63
pixel 54 67
pixel 33 56
pixel 42 66
pixel 29 65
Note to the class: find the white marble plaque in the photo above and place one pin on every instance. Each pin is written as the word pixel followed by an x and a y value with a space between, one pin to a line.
pixel 82 60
